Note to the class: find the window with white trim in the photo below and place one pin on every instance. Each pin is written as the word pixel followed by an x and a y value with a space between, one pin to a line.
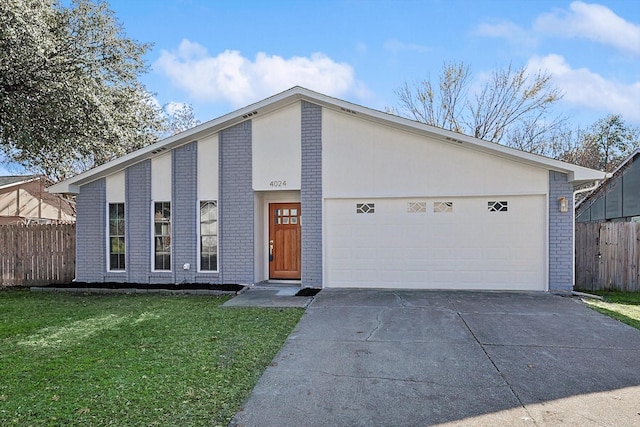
pixel 209 236
pixel 116 237
pixel 162 235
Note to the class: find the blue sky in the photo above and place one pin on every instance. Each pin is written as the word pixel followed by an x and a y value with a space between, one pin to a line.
pixel 223 55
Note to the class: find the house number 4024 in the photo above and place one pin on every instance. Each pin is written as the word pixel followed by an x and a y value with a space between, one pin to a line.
pixel 278 184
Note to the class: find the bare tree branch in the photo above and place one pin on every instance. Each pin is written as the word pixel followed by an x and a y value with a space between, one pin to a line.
pixel 511 107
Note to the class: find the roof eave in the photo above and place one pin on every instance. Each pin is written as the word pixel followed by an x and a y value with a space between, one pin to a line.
pixel 72 185
pixel 577 174
pixel 25 181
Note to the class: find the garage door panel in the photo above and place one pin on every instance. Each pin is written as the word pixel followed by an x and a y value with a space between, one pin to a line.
pixel 369 253
pixel 443 253
pixel 414 253
pixel 419 277
pixel 469 254
pixel 468 248
pixel 386 254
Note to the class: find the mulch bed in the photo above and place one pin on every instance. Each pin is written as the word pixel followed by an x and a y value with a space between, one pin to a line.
pixel 308 292
pixel 171 287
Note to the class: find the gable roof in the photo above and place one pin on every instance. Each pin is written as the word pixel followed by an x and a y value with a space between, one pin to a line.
pixel 605 185
pixel 577 174
pixel 11 180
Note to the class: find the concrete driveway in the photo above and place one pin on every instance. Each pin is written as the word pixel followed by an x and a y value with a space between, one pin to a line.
pixel 419 358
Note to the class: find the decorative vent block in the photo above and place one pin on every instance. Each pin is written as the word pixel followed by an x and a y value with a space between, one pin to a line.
pixel 416 207
pixel 439 207
pixel 501 206
pixel 363 208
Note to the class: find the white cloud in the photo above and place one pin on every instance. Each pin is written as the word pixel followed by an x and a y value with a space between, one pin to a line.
pixel 231 77
pixel 593 22
pixel 508 31
pixel 587 89
pixel 396 45
pixel 174 107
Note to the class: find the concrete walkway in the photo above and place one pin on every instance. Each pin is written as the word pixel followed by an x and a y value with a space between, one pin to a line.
pixel 269 296
pixel 413 358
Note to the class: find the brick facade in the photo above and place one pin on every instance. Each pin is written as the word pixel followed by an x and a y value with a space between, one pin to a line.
pixel 561 255
pixel 91 232
pixel 311 195
pixel 184 194
pixel 236 210
pixel 235 206
pixel 137 209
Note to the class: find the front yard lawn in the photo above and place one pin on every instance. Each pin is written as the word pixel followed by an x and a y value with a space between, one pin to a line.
pixel 624 306
pixel 152 360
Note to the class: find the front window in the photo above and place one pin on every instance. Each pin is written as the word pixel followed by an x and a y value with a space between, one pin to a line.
pixel 116 236
pixel 162 235
pixel 208 236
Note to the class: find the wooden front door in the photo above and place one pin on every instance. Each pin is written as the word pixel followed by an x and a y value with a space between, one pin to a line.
pixel 285 239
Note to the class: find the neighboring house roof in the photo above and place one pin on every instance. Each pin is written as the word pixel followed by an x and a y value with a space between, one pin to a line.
pixel 577 174
pixel 22 200
pixel 607 184
pixel 11 180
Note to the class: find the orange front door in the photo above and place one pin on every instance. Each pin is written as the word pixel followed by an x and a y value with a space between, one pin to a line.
pixel 285 241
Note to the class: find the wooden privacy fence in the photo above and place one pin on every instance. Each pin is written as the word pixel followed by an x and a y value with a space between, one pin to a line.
pixel 32 255
pixel 608 256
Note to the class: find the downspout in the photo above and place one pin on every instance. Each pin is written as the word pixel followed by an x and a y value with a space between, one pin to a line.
pixel 584 190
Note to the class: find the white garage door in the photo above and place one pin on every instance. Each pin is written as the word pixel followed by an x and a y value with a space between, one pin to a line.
pixel 452 243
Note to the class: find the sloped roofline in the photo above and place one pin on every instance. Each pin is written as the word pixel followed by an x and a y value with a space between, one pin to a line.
pixel 610 176
pixel 20 179
pixel 577 174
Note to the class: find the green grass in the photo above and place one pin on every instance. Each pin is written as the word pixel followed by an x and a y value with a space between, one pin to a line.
pixel 623 306
pixel 79 360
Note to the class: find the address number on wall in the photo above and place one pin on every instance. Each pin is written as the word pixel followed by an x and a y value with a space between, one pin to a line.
pixel 278 184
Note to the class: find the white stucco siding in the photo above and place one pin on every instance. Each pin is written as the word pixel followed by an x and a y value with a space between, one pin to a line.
pixel 161 178
pixel 208 168
pixel 276 151
pixel 468 248
pixel 365 158
pixel 115 187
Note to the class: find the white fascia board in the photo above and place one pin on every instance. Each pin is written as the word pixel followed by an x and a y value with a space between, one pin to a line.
pixel 576 174
pixel 29 179
pixel 2 187
pixel 72 185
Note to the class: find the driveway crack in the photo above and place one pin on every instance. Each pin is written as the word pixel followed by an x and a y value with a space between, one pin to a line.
pixel 378 324
pixel 520 402
pixel 402 301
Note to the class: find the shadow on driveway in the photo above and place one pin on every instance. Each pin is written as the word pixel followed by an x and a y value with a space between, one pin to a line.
pixel 418 358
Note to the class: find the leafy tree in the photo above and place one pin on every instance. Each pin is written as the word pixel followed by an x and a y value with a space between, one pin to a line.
pixel 511 107
pixel 69 92
pixel 604 145
pixel 180 117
